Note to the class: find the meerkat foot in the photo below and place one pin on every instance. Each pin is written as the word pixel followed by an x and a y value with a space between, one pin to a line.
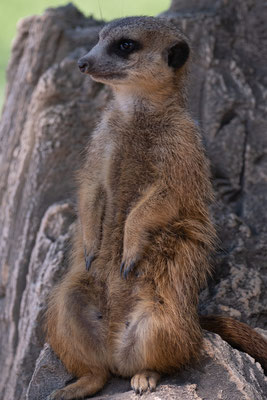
pixel 144 380
pixel 83 387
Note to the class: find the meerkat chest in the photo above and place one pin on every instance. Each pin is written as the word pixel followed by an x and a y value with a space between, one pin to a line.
pixel 128 157
pixel 128 167
pixel 109 152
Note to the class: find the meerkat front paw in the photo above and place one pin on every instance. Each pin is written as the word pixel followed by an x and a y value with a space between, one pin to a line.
pixel 132 253
pixel 91 246
pixel 126 268
pixel 89 258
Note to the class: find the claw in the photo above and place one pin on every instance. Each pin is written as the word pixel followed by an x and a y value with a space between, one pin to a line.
pixel 122 267
pixel 128 269
pixel 88 260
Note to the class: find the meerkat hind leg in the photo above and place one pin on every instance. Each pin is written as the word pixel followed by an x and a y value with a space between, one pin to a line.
pixel 144 380
pixel 83 387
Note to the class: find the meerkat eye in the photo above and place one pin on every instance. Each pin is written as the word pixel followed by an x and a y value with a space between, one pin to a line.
pixel 126 45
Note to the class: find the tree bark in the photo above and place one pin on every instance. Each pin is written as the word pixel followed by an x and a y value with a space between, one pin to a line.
pixel 50 111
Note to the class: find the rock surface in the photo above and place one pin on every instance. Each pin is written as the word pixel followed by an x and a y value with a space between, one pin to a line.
pixel 223 373
pixel 49 112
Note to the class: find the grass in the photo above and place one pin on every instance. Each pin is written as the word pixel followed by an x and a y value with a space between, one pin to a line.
pixel 11 11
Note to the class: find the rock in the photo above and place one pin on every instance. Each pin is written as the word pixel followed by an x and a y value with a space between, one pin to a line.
pixel 223 373
pixel 50 111
pixel 47 264
pixel 44 127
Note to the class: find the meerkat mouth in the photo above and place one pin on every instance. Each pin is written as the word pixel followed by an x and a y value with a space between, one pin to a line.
pixel 107 76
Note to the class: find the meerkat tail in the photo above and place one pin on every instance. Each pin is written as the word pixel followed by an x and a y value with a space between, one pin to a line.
pixel 239 335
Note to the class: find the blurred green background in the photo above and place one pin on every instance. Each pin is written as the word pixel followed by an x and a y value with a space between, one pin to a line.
pixel 11 11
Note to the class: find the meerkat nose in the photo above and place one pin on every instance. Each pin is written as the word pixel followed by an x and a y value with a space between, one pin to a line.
pixel 84 65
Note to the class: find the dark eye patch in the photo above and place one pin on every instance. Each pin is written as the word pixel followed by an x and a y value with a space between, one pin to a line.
pixel 124 47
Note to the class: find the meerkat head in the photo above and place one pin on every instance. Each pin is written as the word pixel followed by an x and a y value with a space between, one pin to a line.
pixel 137 52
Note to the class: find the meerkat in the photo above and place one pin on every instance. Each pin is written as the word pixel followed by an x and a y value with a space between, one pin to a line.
pixel 128 304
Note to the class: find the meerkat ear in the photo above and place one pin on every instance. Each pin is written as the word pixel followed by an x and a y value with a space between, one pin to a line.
pixel 178 55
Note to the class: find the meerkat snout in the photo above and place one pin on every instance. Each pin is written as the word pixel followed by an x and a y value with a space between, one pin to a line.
pixel 136 51
pixel 84 65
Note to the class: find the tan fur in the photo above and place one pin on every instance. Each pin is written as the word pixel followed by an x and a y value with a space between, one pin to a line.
pixel 143 225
